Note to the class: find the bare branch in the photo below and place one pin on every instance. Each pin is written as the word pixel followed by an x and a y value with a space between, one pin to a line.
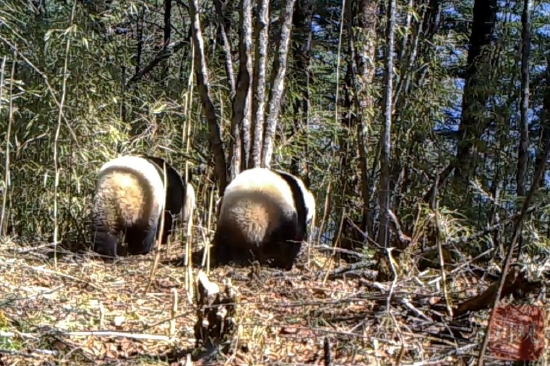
pixel 226 47
pixel 164 54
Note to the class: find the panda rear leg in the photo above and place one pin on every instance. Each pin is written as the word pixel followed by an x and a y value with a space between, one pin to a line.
pixel 284 247
pixel 140 241
pixel 106 242
pixel 220 251
pixel 289 254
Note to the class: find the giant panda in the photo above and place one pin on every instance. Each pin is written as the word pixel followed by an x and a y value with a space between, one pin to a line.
pixel 264 215
pixel 131 198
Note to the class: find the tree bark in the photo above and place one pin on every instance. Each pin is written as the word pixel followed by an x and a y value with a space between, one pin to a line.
pixel 474 99
pixel 544 134
pixel 203 84
pixel 241 102
pixel 362 22
pixel 524 122
pixel 167 33
pixel 365 54
pixel 384 271
pixel 302 36
pixel 258 84
pixel 277 83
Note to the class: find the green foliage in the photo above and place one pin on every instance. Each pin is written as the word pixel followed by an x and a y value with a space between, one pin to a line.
pixel 111 106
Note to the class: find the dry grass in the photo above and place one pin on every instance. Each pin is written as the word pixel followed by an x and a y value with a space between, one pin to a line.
pixel 47 316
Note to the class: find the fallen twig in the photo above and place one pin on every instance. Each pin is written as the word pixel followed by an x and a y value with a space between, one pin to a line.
pixel 152 337
pixel 49 271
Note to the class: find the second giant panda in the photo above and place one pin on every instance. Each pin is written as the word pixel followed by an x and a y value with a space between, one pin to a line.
pixel 264 214
pixel 130 198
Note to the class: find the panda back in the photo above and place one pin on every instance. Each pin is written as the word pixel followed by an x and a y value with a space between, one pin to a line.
pixel 255 204
pixel 264 185
pixel 134 186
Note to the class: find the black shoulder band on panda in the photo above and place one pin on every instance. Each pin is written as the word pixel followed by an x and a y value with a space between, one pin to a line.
pixel 303 200
pixel 178 194
pixel 263 215
pixel 130 198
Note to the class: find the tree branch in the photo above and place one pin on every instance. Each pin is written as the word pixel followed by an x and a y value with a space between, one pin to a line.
pixel 164 54
pixel 226 47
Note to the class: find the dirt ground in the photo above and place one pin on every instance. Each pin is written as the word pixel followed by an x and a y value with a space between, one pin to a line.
pixel 88 312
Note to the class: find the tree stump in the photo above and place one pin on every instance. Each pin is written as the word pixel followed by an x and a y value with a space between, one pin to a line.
pixel 215 311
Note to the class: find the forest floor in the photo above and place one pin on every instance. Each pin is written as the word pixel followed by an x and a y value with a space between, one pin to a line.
pixel 88 312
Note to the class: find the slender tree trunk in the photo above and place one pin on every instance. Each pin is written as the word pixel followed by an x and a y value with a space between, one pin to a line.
pixel 544 134
pixel 258 84
pixel 362 22
pixel 167 34
pixel 431 19
pixel 241 102
pixel 524 122
pixel 277 83
pixel 384 271
pixel 203 84
pixel 302 37
pixel 384 191
pixel 365 53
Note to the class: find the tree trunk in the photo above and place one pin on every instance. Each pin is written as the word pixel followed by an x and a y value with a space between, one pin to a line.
pixel 365 54
pixel 544 134
pixel 524 122
pixel 241 102
pixel 166 35
pixel 258 84
pixel 362 19
pixel 302 48
pixel 474 100
pixel 203 85
pixel 384 190
pixel 277 83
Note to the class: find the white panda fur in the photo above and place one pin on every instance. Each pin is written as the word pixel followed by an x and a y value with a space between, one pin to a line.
pixel 190 202
pixel 134 187
pixel 264 213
